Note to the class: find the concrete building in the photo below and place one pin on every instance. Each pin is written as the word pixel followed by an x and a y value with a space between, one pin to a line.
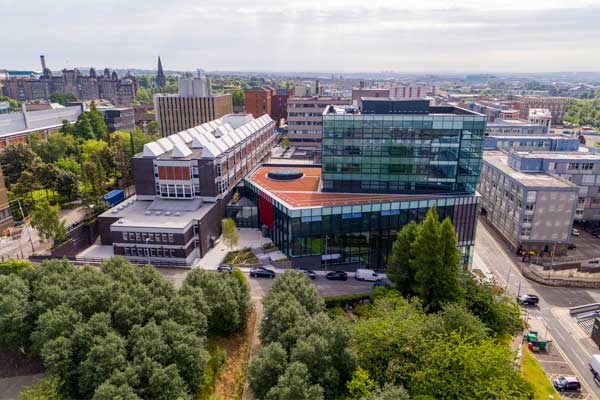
pixel 119 119
pixel 194 105
pixel 514 127
pixel 308 89
pixel 540 116
pixel 183 183
pixel 533 211
pixel 379 172
pixel 580 168
pixel 16 127
pixel 305 120
pixel 6 221
pixel 509 114
pixel 556 105
pixel 258 100
pixel 358 94
pixel 531 143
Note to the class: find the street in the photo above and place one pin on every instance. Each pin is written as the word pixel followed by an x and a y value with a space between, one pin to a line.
pixel 491 254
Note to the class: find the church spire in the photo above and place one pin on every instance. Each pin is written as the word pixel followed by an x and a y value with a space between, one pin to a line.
pixel 160 76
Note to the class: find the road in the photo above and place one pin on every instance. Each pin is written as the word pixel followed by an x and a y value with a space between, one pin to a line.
pixel 576 347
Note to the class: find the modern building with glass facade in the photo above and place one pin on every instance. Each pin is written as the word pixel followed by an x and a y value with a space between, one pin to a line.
pixel 380 171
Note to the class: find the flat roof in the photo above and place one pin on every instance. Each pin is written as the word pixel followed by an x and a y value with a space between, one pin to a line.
pixel 563 155
pixel 499 160
pixel 305 191
pixel 158 213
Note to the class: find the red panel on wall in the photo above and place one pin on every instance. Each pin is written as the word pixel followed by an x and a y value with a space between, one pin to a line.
pixel 265 210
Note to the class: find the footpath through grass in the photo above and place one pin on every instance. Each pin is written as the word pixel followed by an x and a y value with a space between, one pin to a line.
pixel 534 374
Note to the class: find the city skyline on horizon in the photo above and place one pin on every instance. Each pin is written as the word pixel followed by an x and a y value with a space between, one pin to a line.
pixel 339 36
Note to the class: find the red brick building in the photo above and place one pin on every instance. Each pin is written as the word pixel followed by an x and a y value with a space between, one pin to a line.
pixel 258 100
pixel 279 104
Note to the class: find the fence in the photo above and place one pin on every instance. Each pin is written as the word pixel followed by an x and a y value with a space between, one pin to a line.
pixel 92 260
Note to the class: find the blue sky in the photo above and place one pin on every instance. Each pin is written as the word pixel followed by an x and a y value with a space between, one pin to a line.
pixel 305 35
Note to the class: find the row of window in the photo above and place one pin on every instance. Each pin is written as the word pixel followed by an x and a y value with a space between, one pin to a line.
pixel 579 166
pixel 148 237
pixel 149 252
pixel 181 191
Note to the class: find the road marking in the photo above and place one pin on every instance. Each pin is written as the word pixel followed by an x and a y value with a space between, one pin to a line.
pixel 583 381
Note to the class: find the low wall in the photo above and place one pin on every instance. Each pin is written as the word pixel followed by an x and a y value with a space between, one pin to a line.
pixel 535 276
pixel 79 238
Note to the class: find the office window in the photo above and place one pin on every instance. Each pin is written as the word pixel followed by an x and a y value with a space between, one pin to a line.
pixel 573 167
pixel 138 237
pixel 171 238
pixel 131 236
pixel 529 206
pixel 171 252
pixel 127 251
pixel 151 237
pixel 587 166
pixel 581 200
pixel 152 252
pixel 164 238
pixel 125 236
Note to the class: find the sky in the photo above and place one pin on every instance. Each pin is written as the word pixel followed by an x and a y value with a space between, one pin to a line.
pixel 304 35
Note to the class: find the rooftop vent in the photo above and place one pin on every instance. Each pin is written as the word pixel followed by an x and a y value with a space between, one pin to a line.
pixel 168 213
pixel 121 221
pixel 157 213
pixel 177 213
pixel 148 212
pixel 285 174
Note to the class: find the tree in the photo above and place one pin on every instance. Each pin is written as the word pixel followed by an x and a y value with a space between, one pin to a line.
pixel 269 363
pixel 297 284
pixel 285 142
pixel 63 98
pixel 238 98
pixel 83 128
pixel 153 128
pixel 108 391
pixel 45 219
pixel 229 304
pixel 450 360
pixel 13 312
pixel 294 384
pixel 15 159
pixel 54 147
pixel 143 95
pixel 28 182
pixel 70 165
pixel 231 236
pixel 455 317
pixel 389 392
pixel 98 125
pixel 44 389
pixel 47 175
pixel 15 105
pixel 282 311
pixel 361 384
pixel 399 269
pixel 67 184
pixel 67 128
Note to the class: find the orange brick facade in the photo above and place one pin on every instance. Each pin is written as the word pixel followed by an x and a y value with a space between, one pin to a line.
pixel 258 101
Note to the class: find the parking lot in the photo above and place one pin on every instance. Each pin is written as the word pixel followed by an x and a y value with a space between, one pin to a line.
pixel 588 246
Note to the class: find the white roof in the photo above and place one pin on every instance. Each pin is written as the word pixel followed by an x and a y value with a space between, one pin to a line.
pixel 215 138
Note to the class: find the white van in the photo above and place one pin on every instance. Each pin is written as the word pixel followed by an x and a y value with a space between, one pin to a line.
pixel 366 275
pixel 595 366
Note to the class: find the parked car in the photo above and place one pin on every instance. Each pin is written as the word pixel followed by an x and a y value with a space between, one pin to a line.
pixel 595 365
pixel 225 268
pixel 261 272
pixel 308 273
pixel 597 234
pixel 571 246
pixel 337 276
pixel 567 384
pixel 528 300
pixel 575 232
pixel 366 275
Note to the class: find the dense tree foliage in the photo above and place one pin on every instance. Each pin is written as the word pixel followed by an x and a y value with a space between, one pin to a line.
pixel 584 112
pixel 62 98
pixel 45 219
pixel 307 353
pixel 115 332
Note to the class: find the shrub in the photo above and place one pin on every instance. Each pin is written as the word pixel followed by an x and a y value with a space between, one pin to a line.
pixel 345 299
pixel 14 265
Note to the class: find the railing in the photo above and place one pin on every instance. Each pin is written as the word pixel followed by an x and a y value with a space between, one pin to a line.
pixel 97 260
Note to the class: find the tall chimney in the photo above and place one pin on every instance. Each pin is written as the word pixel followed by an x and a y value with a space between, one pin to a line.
pixel 43 60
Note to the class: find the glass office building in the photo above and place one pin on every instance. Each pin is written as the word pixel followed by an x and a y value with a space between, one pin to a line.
pixel 435 152
pixel 379 172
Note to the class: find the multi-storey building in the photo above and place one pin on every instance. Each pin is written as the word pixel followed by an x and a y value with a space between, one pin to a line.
pixel 183 183
pixel 580 168
pixel 514 127
pixel 6 221
pixel 533 211
pixel 380 171
pixel 16 127
pixel 120 91
pixel 119 119
pixel 305 121
pixel 540 116
pixel 358 94
pixel 194 105
pixel 258 100
pixel 556 105
pixel 531 143
pixel 279 104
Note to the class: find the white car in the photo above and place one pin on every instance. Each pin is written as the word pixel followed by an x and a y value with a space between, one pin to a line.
pixel 575 232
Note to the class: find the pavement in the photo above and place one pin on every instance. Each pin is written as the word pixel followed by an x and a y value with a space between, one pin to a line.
pixel 493 258
pixel 10 387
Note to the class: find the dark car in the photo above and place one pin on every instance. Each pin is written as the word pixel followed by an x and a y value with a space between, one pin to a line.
pixel 571 246
pixel 308 273
pixel 528 300
pixel 337 276
pixel 224 268
pixel 567 384
pixel 261 272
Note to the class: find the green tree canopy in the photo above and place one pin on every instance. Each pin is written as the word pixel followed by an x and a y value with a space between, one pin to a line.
pixel 45 219
pixel 63 98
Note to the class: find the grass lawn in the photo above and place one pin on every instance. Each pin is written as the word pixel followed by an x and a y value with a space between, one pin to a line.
pixel 244 256
pixel 534 374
